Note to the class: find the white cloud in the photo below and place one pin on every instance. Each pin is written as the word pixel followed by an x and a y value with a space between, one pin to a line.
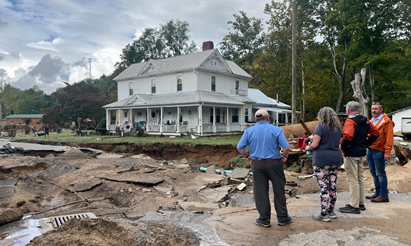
pixel 73 31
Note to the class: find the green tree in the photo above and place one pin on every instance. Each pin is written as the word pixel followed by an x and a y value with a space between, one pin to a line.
pixel 245 42
pixel 171 39
pixel 32 100
pixel 76 103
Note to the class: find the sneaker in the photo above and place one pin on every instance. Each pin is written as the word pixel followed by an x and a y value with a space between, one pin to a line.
pixel 332 215
pixel 362 207
pixel 259 223
pixel 289 221
pixel 350 209
pixel 321 217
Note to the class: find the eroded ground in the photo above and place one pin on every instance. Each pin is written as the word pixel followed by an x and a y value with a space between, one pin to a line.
pixel 131 186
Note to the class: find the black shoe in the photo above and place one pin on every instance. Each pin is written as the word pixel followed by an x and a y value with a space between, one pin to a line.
pixel 362 207
pixel 286 222
pixel 259 223
pixel 350 209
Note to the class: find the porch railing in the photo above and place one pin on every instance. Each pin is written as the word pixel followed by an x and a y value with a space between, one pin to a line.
pixel 208 128
pixel 153 128
pixel 169 128
pixel 185 128
pixel 235 128
pixel 221 128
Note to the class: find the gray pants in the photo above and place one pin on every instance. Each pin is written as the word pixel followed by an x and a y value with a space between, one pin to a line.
pixel 263 171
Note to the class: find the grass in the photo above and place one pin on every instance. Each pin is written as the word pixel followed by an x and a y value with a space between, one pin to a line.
pixel 69 137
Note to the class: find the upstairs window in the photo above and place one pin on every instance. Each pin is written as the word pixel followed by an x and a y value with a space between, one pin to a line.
pixel 237 86
pixel 179 83
pixel 130 88
pixel 153 86
pixel 212 83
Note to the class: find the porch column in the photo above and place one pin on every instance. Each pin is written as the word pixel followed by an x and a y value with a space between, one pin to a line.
pixel 130 118
pixel 178 119
pixel 199 119
pixel 119 118
pixel 107 120
pixel 161 120
pixel 148 119
pixel 240 116
pixel 228 122
pixel 214 116
pixel 286 118
pixel 277 118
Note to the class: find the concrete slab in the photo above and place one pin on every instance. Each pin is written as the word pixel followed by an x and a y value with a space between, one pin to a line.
pixel 164 188
pixel 239 173
pixel 197 205
pixel 7 187
pixel 85 184
pixel 145 181
pixel 211 169
pixel 216 194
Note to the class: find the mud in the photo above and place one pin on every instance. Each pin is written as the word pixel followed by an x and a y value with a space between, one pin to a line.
pixel 106 232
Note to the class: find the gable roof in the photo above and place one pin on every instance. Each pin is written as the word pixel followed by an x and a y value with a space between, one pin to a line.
pixel 261 99
pixel 176 99
pixel 18 116
pixel 394 112
pixel 181 63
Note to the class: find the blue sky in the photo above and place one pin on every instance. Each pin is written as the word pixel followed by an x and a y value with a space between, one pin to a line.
pixel 45 42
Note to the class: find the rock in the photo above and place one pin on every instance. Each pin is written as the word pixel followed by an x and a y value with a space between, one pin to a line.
pixel 163 188
pixel 222 172
pixel 146 190
pixel 172 193
pixel 183 161
pixel 241 186
pixel 216 194
pixel 194 167
pixel 10 214
pixel 403 153
pixel 239 173
pixel 165 163
pixel 130 190
pixel 121 191
pixel 211 169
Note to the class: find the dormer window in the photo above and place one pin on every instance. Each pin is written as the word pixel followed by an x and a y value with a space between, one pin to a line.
pixel 179 83
pixel 130 88
pixel 153 86
pixel 212 83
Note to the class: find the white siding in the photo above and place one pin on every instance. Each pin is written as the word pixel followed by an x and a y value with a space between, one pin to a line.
pixel 224 83
pixel 397 118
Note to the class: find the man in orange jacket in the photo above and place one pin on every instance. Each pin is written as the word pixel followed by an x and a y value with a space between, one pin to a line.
pixel 379 152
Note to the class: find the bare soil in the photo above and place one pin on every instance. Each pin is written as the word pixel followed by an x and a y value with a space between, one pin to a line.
pixel 50 181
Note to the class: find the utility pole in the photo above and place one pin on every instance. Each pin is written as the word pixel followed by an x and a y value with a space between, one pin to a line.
pixel 294 72
pixel 89 60
pixel 303 84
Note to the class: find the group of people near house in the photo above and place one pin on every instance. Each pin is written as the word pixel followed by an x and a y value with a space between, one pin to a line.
pixel 46 130
pixel 332 145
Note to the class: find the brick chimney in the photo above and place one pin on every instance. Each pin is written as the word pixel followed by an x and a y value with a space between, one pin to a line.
pixel 208 45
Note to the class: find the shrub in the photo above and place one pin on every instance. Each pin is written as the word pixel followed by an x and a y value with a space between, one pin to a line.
pixel 101 124
pixel 27 130
pixel 6 128
pixel 240 161
pixel 59 129
pixel 294 168
pixel 101 131
pixel 119 149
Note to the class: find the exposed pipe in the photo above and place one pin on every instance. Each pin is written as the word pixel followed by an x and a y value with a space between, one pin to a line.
pixel 203 169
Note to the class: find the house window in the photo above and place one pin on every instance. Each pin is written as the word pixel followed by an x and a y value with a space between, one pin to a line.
pixel 234 116
pixel 212 83
pixel 246 115
pixel 19 122
pixel 217 115
pixel 153 86
pixel 212 63
pixel 211 115
pixel 125 114
pixel 237 86
pixel 38 122
pixel 179 83
pixel 130 88
pixel 12 122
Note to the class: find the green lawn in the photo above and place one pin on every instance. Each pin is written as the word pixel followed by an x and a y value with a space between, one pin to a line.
pixel 113 139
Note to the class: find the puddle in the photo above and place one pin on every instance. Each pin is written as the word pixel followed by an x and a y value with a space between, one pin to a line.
pixel 19 232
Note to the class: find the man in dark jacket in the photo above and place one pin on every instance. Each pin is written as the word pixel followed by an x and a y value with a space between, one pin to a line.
pixel 354 144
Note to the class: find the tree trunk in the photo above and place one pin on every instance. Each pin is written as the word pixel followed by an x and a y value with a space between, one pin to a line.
pixel 359 91
pixel 372 83
pixel 302 80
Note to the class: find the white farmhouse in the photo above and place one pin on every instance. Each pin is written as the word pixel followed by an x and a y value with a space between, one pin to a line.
pixel 199 92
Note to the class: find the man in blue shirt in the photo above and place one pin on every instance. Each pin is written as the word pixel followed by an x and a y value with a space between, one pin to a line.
pixel 264 142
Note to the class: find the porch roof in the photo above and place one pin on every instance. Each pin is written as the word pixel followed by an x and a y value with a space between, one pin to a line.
pixel 279 110
pixel 147 100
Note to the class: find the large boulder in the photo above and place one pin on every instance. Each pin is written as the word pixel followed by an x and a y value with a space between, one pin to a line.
pixel 10 214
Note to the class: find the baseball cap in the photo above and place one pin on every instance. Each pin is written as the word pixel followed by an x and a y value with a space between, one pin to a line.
pixel 261 113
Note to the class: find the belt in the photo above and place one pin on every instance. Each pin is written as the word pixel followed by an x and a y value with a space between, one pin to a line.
pixel 266 159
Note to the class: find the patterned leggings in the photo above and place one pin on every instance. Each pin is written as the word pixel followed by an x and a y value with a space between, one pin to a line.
pixel 327 180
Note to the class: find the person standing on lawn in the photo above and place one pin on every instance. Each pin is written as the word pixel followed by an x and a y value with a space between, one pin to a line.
pixel 264 142
pixel 380 152
pixel 354 145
